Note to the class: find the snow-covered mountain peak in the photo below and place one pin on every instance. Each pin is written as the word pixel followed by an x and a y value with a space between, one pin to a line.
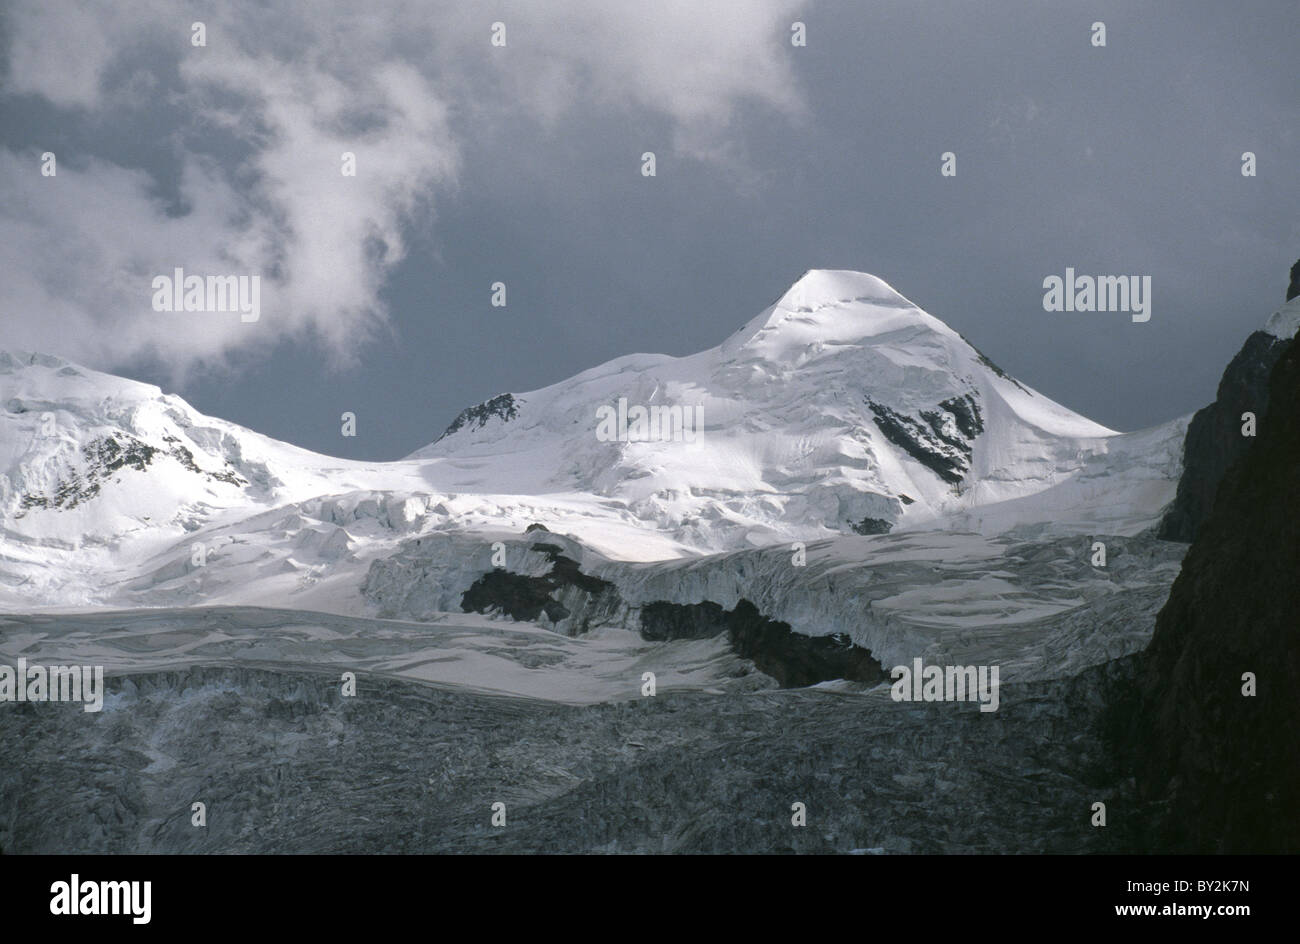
pixel 829 306
pixel 841 406
pixel 37 374
pixel 819 288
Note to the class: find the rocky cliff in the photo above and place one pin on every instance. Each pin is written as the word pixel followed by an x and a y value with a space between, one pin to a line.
pixel 1214 440
pixel 1222 765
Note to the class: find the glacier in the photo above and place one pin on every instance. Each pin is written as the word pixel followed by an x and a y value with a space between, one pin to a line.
pixel 867 489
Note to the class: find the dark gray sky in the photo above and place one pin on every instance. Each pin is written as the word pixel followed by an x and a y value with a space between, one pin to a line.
pixel 523 165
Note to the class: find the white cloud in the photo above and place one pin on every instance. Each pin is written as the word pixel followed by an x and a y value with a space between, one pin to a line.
pixel 292 86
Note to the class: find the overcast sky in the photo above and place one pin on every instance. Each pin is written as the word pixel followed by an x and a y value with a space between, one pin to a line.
pixel 522 164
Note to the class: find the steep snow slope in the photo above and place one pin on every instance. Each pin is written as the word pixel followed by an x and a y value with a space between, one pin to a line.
pixel 98 475
pixel 843 405
pixel 73 437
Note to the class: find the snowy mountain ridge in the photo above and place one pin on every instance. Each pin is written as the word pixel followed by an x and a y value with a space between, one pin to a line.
pixel 842 408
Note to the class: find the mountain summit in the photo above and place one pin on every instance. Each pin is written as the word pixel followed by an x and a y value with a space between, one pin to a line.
pixel 842 406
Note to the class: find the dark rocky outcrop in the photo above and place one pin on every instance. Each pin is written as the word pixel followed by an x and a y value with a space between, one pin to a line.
pixel 1221 769
pixel 516 595
pixel 1214 440
pixel 661 621
pixel 938 440
pixel 186 459
pixel 503 407
pixel 793 659
pixel 525 597
pixel 873 526
pixel 966 411
pixel 1294 288
pixel 104 457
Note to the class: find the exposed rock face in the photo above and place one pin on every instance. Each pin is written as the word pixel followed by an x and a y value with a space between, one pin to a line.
pixel 503 407
pixel 941 439
pixel 1226 767
pixel 871 525
pixel 964 410
pixel 1294 288
pixel 1214 440
pixel 794 659
pixel 791 658
pixel 524 597
pixel 105 456
pixel 661 621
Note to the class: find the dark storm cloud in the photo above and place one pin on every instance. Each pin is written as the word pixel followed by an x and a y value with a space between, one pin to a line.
pixel 771 160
